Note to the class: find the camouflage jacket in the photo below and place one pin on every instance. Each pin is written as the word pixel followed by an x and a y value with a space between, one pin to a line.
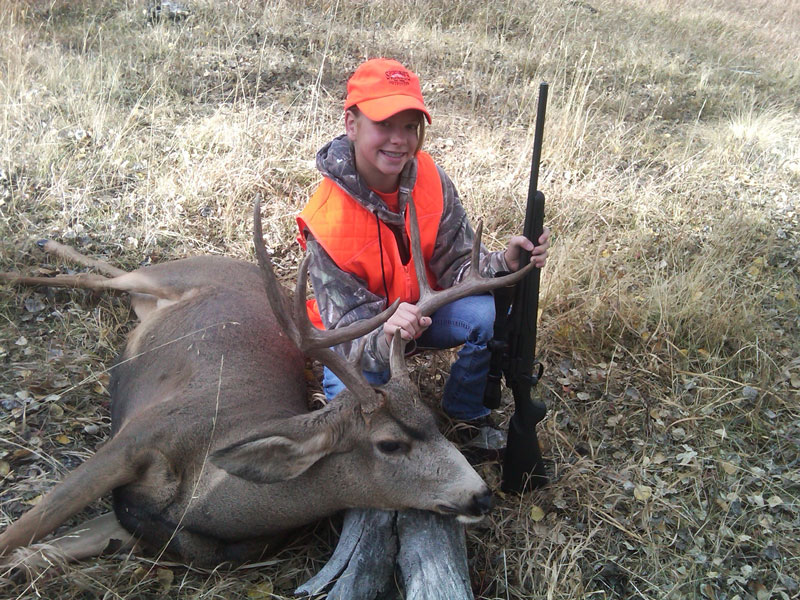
pixel 344 298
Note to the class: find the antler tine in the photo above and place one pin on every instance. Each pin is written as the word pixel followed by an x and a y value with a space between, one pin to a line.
pixel 313 338
pixel 314 342
pixel 429 300
pixel 275 296
pixel 425 290
pixel 475 254
pixel 397 359
pixel 348 372
pixel 317 343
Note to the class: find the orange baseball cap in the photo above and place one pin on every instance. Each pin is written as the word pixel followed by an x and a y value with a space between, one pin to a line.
pixel 382 87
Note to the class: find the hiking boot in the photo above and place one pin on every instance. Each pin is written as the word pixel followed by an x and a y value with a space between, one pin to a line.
pixel 481 438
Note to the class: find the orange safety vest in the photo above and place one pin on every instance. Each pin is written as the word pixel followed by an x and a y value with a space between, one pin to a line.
pixel 348 232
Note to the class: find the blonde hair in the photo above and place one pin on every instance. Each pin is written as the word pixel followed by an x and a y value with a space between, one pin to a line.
pixel 420 127
pixel 420 133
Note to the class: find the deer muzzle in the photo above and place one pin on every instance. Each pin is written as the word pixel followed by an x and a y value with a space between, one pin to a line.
pixel 478 506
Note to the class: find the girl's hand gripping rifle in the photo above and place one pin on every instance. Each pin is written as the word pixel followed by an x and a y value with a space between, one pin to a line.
pixel 514 345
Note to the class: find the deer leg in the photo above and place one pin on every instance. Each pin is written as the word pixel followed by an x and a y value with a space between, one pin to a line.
pixel 142 304
pixel 87 281
pixel 136 282
pixel 99 535
pixel 94 537
pixel 202 550
pixel 72 255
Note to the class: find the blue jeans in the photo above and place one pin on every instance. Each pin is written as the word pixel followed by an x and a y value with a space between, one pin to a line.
pixel 469 321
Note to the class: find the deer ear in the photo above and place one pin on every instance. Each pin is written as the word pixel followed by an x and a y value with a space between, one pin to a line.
pixel 273 458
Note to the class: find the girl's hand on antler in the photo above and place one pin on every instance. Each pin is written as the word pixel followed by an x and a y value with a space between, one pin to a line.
pixel 409 320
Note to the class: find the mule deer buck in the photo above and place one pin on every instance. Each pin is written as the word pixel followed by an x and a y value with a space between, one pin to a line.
pixel 213 452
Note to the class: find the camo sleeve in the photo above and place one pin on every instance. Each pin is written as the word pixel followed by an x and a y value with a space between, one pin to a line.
pixel 344 298
pixel 451 258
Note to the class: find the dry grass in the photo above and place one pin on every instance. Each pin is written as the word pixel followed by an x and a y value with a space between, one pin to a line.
pixel 669 329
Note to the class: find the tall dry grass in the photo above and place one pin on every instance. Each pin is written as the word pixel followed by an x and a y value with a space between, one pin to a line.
pixel 670 302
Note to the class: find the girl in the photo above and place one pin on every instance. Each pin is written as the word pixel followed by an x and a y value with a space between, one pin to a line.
pixel 355 227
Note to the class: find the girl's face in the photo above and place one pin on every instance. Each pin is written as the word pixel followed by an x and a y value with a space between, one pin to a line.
pixel 382 148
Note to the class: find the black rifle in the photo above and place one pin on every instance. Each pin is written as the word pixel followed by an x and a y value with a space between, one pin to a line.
pixel 513 348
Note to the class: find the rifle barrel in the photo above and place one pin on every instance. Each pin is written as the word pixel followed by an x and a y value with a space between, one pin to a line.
pixel 533 184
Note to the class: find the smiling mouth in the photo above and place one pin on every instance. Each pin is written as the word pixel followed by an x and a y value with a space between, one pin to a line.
pixel 393 154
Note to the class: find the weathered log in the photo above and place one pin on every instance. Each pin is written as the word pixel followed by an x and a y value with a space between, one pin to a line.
pixel 433 557
pixel 426 551
pixel 363 562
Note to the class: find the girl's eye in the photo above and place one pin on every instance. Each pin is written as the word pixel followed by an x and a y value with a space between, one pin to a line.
pixel 392 447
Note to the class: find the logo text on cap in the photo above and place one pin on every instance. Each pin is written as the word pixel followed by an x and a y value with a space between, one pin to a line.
pixel 398 77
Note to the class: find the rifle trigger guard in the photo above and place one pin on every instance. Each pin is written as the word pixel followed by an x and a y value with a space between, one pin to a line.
pixel 538 375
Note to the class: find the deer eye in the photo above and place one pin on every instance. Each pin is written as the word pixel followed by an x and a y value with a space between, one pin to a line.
pixel 392 447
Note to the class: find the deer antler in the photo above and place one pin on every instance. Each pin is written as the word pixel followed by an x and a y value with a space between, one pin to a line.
pixel 314 342
pixel 429 300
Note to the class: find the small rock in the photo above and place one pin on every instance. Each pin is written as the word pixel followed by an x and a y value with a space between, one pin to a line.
pixel 34 304
pixel 750 393
pixel 633 393
pixel 771 553
pixel 789 583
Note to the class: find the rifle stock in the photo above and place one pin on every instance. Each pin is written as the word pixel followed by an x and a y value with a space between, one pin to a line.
pixel 523 464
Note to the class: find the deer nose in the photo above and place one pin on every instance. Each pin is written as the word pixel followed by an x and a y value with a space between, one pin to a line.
pixel 482 503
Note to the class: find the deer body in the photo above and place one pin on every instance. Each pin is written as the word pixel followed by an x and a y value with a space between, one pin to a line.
pixel 213 452
pixel 196 372
pixel 217 363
